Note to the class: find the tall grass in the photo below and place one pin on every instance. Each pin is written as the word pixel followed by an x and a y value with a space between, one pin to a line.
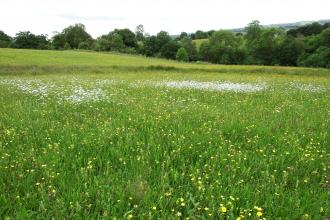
pixel 153 152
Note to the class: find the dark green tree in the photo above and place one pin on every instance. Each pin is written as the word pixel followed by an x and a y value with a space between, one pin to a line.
pixel 117 43
pixel 5 40
pixel 289 50
pixel 169 49
pixel 127 36
pixel 320 58
pixel 28 40
pixel 58 41
pixel 76 34
pixel 151 46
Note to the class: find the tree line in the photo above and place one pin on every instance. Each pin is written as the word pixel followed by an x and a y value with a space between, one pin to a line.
pixel 308 45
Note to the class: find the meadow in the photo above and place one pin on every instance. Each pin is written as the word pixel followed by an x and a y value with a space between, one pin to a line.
pixel 87 135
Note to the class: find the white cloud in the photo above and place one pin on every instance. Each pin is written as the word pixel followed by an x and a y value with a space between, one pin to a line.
pixel 102 16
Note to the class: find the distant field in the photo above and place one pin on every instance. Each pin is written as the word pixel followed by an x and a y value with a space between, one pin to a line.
pixel 88 135
pixel 199 42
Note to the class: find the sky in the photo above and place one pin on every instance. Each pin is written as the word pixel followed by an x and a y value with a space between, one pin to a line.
pixel 174 16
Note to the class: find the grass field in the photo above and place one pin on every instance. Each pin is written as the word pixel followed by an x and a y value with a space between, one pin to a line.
pixel 106 136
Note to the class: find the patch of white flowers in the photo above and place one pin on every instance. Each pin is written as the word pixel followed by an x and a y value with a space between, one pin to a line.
pixel 214 86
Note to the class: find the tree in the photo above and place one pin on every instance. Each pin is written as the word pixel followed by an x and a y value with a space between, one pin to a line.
pixel 151 46
pixel 127 36
pixel 58 41
pixel 320 58
pixel 190 48
pixel 104 44
pixel 84 46
pixel 27 40
pixel 5 40
pixel 266 46
pixel 205 52
pixel 183 35
pixel 74 35
pixel 169 49
pixel 163 38
pixel 201 35
pixel 289 50
pixel 116 42
pixel 139 32
pixel 325 37
pixel 224 48
pixel 182 55
pixel 307 30
pixel 67 46
pixel 253 31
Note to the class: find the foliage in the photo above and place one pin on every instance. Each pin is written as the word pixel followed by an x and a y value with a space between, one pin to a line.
pixel 140 33
pixel 169 50
pixel 320 58
pixel 127 36
pixel 83 46
pixel 190 48
pixel 258 45
pixel 182 55
pixel 289 50
pixel 116 42
pixel 27 40
pixel 5 40
pixel 58 41
pixel 67 46
pixel 76 34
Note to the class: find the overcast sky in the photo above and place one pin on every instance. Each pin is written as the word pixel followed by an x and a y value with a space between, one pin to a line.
pixel 174 16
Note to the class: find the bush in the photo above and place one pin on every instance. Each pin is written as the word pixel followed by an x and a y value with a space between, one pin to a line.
pixel 182 55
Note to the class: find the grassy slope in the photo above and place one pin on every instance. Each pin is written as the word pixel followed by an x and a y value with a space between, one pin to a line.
pixel 184 150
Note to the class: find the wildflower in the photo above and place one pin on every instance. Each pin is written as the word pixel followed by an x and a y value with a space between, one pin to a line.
pixel 258 208
pixel 206 209
pixel 223 209
pixel 259 214
pixel 130 216
pixel 179 214
pixel 183 204
pixel 154 208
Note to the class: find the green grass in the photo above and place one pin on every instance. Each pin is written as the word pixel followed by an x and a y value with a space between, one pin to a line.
pixel 92 135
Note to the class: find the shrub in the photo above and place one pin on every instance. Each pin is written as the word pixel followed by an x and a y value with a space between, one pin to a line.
pixel 182 55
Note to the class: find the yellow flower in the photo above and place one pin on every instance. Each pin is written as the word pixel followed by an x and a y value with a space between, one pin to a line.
pixel 239 218
pixel 259 214
pixel 130 216
pixel 206 209
pixel 154 208
pixel 223 209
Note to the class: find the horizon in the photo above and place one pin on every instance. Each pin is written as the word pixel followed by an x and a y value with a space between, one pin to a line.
pixel 100 17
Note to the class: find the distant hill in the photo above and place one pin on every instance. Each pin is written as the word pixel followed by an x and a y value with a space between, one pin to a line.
pixel 285 26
